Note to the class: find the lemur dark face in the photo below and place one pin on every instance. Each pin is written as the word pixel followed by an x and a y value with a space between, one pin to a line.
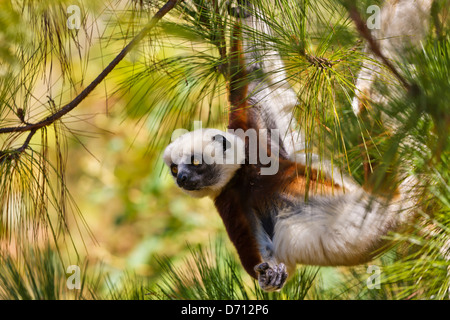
pixel 202 162
pixel 195 174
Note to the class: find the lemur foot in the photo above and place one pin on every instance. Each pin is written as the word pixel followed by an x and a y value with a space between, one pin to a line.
pixel 271 278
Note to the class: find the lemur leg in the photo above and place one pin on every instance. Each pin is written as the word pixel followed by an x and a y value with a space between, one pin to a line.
pixel 272 274
pixel 404 24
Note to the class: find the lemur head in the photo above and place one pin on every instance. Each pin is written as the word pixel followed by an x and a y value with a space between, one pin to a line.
pixel 203 161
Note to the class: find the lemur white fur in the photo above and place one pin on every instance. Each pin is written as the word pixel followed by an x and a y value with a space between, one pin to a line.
pixel 328 230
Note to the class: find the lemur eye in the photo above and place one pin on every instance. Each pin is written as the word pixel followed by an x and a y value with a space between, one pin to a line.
pixel 195 160
pixel 174 169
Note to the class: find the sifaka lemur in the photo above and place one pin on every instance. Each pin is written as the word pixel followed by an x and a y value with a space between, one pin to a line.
pixel 265 213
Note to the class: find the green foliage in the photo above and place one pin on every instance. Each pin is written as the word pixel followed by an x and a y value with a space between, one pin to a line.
pixel 214 274
pixel 36 274
pixel 206 275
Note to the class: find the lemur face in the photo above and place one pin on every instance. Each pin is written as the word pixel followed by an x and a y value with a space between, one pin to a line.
pixel 203 161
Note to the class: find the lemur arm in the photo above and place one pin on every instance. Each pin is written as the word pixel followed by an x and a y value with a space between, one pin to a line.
pixel 260 96
pixel 239 229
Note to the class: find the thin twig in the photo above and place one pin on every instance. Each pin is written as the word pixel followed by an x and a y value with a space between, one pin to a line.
pixel 75 102
pixel 15 153
pixel 27 141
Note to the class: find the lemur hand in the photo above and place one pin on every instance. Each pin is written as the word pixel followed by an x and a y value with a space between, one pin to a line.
pixel 271 278
pixel 242 10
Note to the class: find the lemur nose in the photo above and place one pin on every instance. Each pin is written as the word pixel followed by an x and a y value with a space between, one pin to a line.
pixel 181 179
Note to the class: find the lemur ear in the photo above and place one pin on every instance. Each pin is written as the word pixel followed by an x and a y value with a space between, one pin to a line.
pixel 220 138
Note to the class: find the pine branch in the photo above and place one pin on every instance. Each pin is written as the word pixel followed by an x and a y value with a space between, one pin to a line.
pixel 75 102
